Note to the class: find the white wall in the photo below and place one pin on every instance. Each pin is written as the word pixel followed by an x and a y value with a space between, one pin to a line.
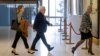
pixel 76 21
pixel 94 18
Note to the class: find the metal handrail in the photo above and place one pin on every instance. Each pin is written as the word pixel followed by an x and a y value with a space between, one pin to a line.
pixel 56 17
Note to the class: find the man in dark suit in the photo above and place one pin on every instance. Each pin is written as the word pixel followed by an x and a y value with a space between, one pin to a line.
pixel 40 25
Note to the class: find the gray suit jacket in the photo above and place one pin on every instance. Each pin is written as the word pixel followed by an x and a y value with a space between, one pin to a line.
pixel 86 23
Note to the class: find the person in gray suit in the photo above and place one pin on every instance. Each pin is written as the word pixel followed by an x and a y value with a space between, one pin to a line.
pixel 85 30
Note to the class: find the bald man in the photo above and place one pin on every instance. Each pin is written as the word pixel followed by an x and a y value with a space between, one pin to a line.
pixel 40 25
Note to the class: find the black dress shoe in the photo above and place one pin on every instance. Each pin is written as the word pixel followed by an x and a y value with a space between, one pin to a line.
pixel 73 50
pixel 30 52
pixel 15 53
pixel 35 50
pixel 50 48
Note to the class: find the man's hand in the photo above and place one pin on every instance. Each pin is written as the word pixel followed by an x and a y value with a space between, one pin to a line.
pixel 50 25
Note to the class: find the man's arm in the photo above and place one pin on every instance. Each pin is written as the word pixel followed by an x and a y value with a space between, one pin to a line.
pixel 48 23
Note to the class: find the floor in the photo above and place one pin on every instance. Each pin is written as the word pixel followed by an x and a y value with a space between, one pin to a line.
pixel 54 38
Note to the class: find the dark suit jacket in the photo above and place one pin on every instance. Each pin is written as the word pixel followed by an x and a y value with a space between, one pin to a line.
pixel 40 24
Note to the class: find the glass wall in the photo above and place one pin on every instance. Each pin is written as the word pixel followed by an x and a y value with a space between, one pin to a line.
pixel 75 7
pixel 8 12
pixel 54 10
pixel 54 7
pixel 4 15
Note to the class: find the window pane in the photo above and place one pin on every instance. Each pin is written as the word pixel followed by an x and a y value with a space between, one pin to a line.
pixel 45 3
pixel 59 8
pixel 74 7
pixel 52 8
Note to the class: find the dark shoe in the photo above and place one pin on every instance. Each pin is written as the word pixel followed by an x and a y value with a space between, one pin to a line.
pixel 90 52
pixel 50 48
pixel 73 50
pixel 15 53
pixel 35 50
pixel 30 52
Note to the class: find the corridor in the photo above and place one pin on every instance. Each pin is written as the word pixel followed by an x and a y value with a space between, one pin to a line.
pixel 54 38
